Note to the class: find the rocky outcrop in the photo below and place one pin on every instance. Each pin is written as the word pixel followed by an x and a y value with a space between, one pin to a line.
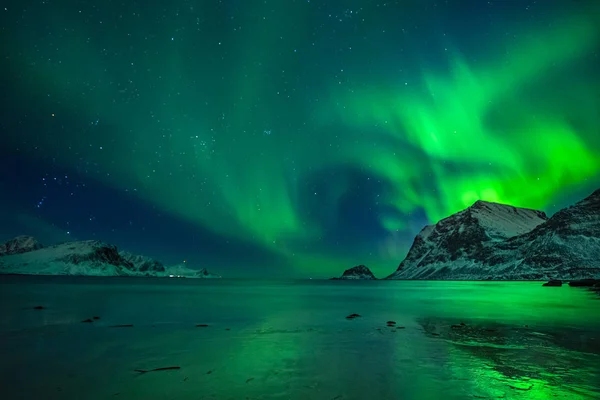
pixel 360 272
pixel 553 283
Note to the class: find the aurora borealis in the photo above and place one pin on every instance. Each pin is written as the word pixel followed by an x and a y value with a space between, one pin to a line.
pixel 296 138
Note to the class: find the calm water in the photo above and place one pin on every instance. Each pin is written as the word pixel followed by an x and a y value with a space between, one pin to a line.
pixel 291 340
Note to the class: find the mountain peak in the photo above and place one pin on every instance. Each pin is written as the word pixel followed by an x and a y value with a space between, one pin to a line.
pixel 502 221
pixel 481 203
pixel 491 206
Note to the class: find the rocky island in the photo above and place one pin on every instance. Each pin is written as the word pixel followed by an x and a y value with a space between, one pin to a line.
pixel 360 272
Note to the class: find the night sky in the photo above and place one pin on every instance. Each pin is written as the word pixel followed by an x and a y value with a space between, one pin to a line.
pixel 289 138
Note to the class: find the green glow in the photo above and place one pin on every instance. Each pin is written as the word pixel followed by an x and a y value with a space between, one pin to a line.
pixel 228 133
pixel 286 339
pixel 526 159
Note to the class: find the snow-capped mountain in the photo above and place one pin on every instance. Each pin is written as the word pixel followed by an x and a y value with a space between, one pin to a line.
pixel 494 241
pixel 89 258
pixel 20 244
pixel 355 273
pixel 454 240
pixel 567 246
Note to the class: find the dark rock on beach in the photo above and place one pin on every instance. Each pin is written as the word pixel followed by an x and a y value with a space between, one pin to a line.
pixel 554 283
pixel 584 282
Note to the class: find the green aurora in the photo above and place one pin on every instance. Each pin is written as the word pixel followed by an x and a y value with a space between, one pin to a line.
pixel 258 121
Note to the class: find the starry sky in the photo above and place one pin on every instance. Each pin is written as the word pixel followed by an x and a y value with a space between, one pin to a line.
pixel 289 138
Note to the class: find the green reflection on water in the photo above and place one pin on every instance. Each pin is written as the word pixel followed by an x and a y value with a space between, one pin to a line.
pixel 292 340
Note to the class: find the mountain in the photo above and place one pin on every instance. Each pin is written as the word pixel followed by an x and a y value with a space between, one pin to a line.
pixel 490 241
pixel 454 241
pixel 567 246
pixel 88 258
pixel 360 272
pixel 20 244
pixel 142 263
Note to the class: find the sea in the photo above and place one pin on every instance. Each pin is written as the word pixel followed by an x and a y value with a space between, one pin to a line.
pixel 160 338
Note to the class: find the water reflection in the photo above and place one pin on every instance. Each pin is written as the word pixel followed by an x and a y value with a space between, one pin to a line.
pixel 504 359
pixel 291 340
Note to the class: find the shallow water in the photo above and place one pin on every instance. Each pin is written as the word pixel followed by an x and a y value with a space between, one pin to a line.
pixel 291 340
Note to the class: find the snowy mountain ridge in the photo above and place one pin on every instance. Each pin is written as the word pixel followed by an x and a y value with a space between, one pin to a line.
pixel 498 242
pixel 87 258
